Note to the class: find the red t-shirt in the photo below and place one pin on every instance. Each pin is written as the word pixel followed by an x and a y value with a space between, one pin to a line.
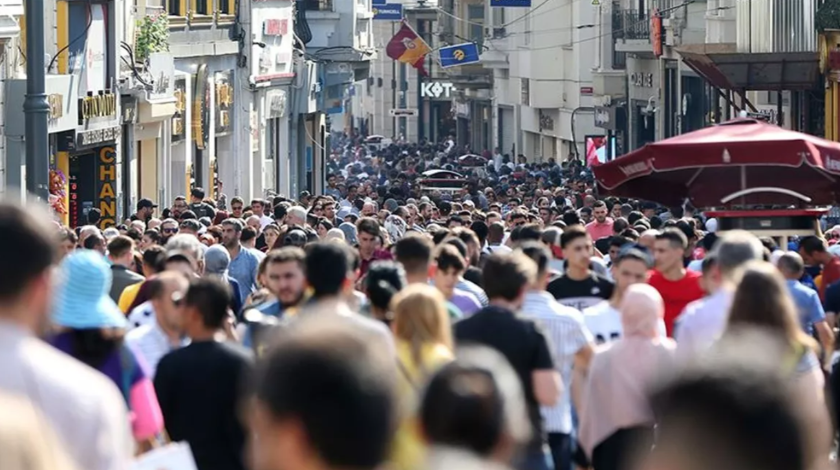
pixel 676 294
pixel 830 275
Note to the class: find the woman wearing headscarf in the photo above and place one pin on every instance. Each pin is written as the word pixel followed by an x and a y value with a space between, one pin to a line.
pixel 615 416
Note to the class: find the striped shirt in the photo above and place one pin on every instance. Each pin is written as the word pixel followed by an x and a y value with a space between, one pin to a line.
pixel 567 334
pixel 151 343
pixel 473 289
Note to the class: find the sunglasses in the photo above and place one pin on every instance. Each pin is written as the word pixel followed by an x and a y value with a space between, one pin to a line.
pixel 236 208
pixel 170 230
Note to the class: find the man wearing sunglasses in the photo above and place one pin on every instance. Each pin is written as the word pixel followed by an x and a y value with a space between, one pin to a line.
pixel 168 229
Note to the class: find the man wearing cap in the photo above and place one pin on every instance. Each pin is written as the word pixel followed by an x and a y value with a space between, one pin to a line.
pixel 145 208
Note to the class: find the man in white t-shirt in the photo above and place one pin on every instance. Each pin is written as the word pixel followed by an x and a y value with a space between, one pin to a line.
pixel 603 319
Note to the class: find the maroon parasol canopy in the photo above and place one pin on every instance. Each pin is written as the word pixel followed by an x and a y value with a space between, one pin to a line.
pixel 744 161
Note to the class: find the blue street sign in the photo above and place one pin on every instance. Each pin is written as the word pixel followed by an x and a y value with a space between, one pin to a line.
pixel 460 54
pixel 388 12
pixel 510 3
pixel 380 2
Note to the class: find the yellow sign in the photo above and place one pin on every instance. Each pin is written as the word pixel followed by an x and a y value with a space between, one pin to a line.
pixel 102 105
pixel 224 95
pixel 459 55
pixel 56 103
pixel 107 195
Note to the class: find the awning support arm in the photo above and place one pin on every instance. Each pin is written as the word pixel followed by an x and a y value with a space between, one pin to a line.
pixel 766 189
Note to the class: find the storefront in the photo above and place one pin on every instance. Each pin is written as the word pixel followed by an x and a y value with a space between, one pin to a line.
pixel 643 84
pixel 439 117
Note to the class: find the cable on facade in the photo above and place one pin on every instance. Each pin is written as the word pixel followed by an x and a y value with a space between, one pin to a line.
pixel 80 36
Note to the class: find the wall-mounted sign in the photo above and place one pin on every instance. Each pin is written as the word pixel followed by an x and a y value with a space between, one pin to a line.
pixel 106 193
pixel 546 122
pixel 586 91
pixel 224 102
pixel 102 104
pixel 510 3
pixel 162 69
pixel 56 103
pixel 276 103
pixel 388 12
pixel 656 38
pixel 96 137
pixel 644 80
pixel 200 114
pixel 436 89
pixel 180 117
pixel 128 108
pixel 275 27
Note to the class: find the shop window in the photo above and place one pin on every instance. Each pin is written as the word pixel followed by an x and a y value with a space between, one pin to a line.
pixel 177 7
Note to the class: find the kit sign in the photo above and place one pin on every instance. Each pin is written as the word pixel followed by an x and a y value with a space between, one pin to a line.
pixel 436 90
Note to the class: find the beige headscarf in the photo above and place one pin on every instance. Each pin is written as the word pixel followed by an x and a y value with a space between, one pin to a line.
pixel 615 394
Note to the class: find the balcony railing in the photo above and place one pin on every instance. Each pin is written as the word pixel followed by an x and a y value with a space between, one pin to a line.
pixel 630 24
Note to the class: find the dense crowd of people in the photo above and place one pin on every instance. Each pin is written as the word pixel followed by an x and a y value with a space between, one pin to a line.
pixel 521 322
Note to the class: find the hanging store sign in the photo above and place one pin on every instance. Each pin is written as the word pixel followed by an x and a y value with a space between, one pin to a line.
pixel 102 104
pixel 106 191
pixel 180 117
pixel 656 38
pixel 510 3
pixel 436 90
pixel 276 103
pixel 275 27
pixel 644 80
pixel 224 102
pixel 96 137
pixel 200 114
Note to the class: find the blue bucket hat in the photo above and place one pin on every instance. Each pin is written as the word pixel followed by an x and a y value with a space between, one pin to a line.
pixel 82 300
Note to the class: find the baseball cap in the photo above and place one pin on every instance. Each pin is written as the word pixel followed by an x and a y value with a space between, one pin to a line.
pixel 145 203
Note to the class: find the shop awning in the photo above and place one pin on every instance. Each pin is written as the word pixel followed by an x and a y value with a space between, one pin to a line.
pixel 726 68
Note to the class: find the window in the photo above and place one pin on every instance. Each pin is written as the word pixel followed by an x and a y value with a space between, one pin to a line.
pixel 227 7
pixel 318 5
pixel 202 7
pixel 475 15
pixel 177 8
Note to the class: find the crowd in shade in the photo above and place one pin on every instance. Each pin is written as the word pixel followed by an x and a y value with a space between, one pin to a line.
pixel 518 321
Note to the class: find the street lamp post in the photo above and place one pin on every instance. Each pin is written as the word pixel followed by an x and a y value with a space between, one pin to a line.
pixel 35 106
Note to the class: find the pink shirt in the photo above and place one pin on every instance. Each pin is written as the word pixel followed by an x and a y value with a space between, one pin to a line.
pixel 598 231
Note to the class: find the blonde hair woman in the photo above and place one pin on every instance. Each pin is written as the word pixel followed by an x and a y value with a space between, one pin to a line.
pixel 423 337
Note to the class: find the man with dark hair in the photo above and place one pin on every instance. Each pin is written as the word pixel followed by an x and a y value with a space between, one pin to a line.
pixel 630 266
pixel 350 430
pixel 282 273
pixel 80 405
pixel 572 348
pixel 815 253
pixel 496 238
pixel 237 207
pixel 198 206
pixel 121 255
pixel 258 207
pixel 677 286
pixel 507 279
pixel 730 416
pixel 449 266
pixel 580 286
pixel 330 275
pixel 145 210
pixel 369 235
pixel 200 387
pixel 602 226
pixel 243 262
pixel 414 252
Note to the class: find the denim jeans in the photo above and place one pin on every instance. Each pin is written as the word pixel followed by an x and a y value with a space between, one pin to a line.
pixel 561 450
pixel 535 458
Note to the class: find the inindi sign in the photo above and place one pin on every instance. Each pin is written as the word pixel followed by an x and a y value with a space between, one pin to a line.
pixel 100 105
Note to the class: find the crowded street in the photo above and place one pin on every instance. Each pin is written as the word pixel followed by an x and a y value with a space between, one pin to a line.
pixel 420 235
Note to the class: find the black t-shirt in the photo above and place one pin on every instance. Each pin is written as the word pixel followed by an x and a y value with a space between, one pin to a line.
pixel 581 294
pixel 200 389
pixel 520 341
pixel 202 209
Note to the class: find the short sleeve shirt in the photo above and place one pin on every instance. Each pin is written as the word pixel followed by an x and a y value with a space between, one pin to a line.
pixel 521 341
pixel 581 294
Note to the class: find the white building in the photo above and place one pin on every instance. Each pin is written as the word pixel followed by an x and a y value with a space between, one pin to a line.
pixel 543 58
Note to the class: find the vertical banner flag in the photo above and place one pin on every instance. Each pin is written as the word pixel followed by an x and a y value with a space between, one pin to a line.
pixel 409 48
pixel 459 54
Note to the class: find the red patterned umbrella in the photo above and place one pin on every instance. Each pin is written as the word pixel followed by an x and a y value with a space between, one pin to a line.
pixel 744 161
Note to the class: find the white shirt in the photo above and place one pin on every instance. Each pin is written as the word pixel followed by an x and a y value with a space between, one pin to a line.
pixel 567 335
pixel 503 249
pixel 265 220
pixel 151 343
pixel 702 323
pixel 142 314
pixel 604 322
pixel 85 409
